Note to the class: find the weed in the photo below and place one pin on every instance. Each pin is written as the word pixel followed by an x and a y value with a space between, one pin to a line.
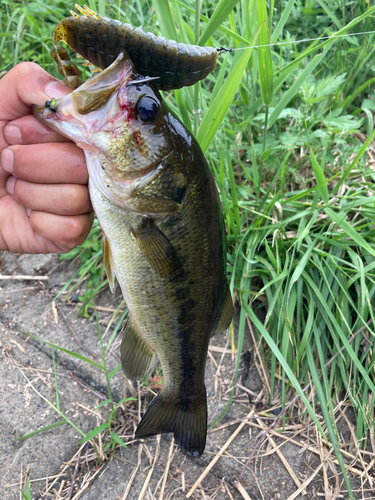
pixel 293 169
pixel 26 495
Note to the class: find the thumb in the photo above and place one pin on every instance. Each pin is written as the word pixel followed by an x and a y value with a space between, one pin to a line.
pixel 24 85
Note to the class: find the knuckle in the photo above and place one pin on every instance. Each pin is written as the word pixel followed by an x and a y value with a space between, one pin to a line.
pixel 76 199
pixel 24 69
pixel 76 230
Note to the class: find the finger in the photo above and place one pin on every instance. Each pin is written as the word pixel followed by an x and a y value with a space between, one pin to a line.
pixel 16 233
pixel 65 232
pixel 61 199
pixel 46 163
pixel 29 130
pixel 27 84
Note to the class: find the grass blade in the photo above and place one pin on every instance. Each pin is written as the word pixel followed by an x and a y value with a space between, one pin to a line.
pixel 165 15
pixel 330 13
pixel 264 55
pixel 38 431
pixel 56 383
pixel 291 92
pixel 283 19
pixel 319 177
pixel 223 29
pixel 327 418
pixel 71 353
pixel 94 432
pixel 219 107
pixel 359 155
pixel 285 366
pixel 222 9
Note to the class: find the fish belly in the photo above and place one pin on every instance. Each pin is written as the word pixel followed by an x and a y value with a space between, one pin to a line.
pixel 171 321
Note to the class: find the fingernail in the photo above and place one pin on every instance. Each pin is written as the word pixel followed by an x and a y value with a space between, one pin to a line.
pixel 7 158
pixel 10 185
pixel 28 212
pixel 12 134
pixel 56 89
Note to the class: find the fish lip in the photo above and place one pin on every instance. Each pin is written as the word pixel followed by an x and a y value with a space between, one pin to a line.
pixel 38 109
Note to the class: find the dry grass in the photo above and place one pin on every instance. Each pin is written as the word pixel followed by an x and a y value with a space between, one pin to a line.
pixel 90 461
pixel 291 427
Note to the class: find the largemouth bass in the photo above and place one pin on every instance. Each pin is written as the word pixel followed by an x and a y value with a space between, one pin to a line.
pixel 164 240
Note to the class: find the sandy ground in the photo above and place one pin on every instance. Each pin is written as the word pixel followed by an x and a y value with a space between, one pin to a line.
pixel 58 467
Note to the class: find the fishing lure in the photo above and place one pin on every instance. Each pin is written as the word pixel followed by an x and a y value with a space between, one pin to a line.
pixel 100 40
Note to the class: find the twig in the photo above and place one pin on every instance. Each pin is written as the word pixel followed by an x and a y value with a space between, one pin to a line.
pixel 148 478
pixel 218 455
pixel 33 480
pixel 74 476
pixel 183 481
pixel 62 473
pixel 79 493
pixel 55 315
pixel 106 309
pixel 228 491
pixel 70 329
pixel 222 350
pixel 21 277
pixel 133 474
pixel 87 387
pixel 265 432
pixel 166 472
pixel 354 470
pixel 305 483
pixel 42 287
pixel 366 468
pixel 265 377
pixel 61 488
pixel 284 461
pixel 20 485
pixel 243 492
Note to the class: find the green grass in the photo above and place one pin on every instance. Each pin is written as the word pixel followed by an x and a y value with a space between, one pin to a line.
pixel 287 144
pixel 27 494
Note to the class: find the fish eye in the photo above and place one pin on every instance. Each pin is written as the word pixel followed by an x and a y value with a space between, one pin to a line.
pixel 148 109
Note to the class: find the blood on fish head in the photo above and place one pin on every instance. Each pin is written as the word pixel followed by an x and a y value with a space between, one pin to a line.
pixel 118 117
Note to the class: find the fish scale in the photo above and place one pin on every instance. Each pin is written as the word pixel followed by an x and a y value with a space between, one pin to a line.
pixel 159 210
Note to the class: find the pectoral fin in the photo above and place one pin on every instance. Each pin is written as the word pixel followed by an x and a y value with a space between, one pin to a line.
pixel 158 250
pixel 137 357
pixel 226 315
pixel 108 262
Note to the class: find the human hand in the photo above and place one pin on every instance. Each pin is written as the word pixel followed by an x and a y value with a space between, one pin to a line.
pixel 44 200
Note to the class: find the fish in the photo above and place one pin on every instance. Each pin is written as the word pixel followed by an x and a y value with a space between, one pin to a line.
pixel 100 39
pixel 163 237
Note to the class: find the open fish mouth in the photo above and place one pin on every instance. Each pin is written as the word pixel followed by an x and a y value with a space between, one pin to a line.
pixel 117 116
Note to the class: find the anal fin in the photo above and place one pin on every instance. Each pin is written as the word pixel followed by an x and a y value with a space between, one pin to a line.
pixel 227 313
pixel 137 357
pixel 158 250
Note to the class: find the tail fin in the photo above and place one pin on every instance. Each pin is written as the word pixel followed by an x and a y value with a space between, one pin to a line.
pixel 188 422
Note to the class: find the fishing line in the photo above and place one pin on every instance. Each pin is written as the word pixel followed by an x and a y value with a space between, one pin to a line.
pixel 224 49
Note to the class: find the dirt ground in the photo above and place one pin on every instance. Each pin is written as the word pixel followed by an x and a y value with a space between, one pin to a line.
pixel 292 464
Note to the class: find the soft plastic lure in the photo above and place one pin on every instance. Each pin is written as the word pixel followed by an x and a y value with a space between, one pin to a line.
pixel 100 40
